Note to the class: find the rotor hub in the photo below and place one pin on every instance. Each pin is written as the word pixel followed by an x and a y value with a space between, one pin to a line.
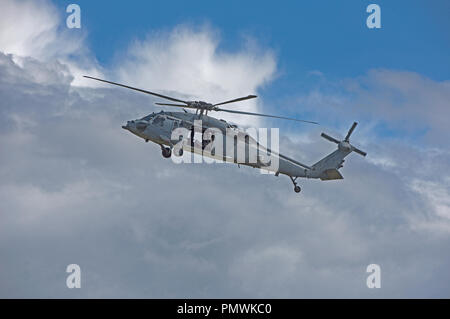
pixel 344 146
pixel 201 105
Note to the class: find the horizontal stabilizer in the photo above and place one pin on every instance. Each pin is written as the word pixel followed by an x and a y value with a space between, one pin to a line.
pixel 331 174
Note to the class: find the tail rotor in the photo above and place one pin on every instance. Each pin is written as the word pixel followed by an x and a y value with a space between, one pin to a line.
pixel 345 143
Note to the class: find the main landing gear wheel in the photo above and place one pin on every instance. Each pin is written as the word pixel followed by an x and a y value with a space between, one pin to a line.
pixel 178 153
pixel 166 152
pixel 297 188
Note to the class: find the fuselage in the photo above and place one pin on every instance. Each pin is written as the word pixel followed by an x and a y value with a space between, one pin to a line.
pixel 237 147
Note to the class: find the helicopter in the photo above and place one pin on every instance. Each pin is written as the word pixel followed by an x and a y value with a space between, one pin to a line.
pixel 159 128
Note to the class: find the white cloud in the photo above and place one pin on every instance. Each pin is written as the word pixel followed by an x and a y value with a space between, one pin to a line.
pixel 399 102
pixel 437 195
pixel 254 270
pixel 408 99
pixel 75 186
pixel 37 29
pixel 84 189
pixel 189 61
pixel 28 28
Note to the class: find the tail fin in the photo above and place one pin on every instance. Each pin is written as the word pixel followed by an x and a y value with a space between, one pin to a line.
pixel 329 165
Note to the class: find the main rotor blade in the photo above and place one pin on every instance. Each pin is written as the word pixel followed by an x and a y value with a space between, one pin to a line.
pixel 237 100
pixel 136 89
pixel 328 137
pixel 350 131
pixel 170 104
pixel 266 115
pixel 179 105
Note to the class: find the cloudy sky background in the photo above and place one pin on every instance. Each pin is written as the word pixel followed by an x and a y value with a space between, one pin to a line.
pixel 76 188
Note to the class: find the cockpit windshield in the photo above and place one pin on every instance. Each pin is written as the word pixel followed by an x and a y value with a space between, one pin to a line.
pixel 148 117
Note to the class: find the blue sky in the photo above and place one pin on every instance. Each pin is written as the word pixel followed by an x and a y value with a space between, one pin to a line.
pixel 306 35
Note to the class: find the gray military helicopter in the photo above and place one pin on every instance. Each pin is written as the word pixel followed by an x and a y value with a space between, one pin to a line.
pixel 158 128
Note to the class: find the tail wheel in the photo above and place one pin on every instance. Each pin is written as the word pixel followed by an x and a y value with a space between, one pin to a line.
pixel 297 188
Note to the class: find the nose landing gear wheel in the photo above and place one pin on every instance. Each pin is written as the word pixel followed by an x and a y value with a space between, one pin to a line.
pixel 166 152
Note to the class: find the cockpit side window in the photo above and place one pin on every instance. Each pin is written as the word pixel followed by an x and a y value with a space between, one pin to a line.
pixel 159 120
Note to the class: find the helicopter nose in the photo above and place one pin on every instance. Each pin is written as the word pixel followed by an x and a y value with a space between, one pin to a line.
pixel 127 126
